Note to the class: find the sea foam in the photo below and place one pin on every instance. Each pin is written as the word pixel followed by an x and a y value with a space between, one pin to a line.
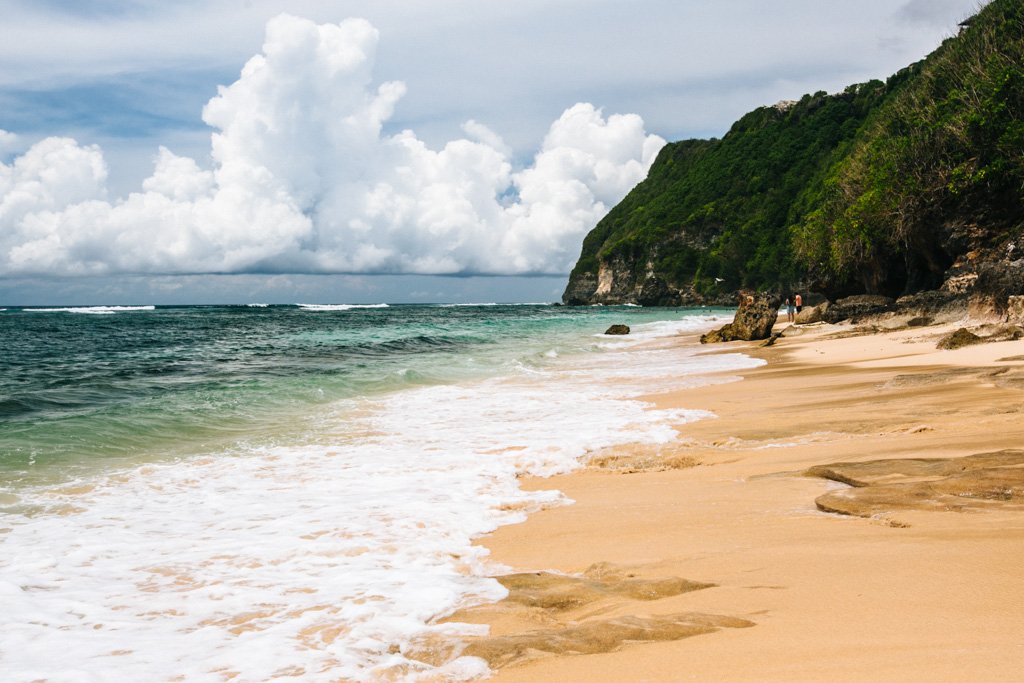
pixel 337 307
pixel 328 559
pixel 91 310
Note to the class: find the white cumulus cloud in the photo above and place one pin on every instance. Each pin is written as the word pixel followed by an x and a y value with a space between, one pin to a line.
pixel 305 180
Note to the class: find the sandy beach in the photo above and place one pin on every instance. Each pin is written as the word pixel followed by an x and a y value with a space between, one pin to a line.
pixel 724 535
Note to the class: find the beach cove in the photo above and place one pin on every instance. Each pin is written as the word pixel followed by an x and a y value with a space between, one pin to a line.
pixel 718 534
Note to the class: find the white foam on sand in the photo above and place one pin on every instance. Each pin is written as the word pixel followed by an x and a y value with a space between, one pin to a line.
pixel 323 561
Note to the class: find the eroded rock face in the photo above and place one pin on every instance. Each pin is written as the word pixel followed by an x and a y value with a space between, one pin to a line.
pixel 1015 309
pixel 581 290
pixel 753 321
pixel 857 306
pixel 621 281
pixel 618 281
pixel 933 304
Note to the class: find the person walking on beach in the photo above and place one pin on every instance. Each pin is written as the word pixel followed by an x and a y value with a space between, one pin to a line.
pixel 790 309
pixel 798 300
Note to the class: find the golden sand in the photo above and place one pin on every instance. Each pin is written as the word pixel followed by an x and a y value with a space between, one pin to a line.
pixel 724 535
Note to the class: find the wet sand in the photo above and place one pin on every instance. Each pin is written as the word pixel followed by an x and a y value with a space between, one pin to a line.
pixel 721 557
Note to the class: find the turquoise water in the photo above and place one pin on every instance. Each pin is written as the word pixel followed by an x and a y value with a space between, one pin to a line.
pixel 86 388
pixel 293 493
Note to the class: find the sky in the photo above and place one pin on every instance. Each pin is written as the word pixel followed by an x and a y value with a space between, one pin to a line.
pixel 237 151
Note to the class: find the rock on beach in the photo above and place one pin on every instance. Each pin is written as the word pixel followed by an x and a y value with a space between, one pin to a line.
pixel 753 321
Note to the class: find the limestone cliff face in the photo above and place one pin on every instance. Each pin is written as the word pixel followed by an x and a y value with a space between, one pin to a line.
pixel 618 281
pixel 991 279
pixel 601 287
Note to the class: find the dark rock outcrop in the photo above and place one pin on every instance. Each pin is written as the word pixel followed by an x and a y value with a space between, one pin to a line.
pixel 932 304
pixel 753 321
pixel 617 329
pixel 989 280
pixel 858 306
pixel 958 339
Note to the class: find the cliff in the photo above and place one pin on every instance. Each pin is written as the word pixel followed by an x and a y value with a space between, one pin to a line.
pixel 885 188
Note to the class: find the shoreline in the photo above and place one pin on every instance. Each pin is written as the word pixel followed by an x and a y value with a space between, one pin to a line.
pixel 718 535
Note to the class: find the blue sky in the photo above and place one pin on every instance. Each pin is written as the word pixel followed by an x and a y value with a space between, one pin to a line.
pixel 130 77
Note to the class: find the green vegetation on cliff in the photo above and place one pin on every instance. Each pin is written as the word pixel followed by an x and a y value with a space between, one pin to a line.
pixel 941 160
pixel 719 208
pixel 875 189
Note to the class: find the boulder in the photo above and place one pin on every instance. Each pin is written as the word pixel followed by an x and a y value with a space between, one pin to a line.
pixel 812 314
pixel 617 329
pixel 754 321
pixel 857 307
pixel 962 337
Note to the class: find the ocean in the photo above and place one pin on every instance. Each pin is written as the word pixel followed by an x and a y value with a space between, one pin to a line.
pixel 252 493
